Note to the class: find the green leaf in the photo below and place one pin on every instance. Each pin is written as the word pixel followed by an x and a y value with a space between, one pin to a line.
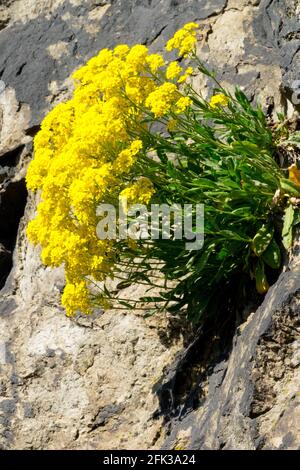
pixel 223 253
pixel 162 156
pixel 126 304
pixel 150 313
pixel 242 211
pixel 242 98
pixel 124 284
pixel 294 139
pixel 262 239
pixel 272 255
pixel 290 187
pixel 107 292
pixel 151 299
pixel 171 170
pixel 230 235
pixel 204 257
pixel 296 217
pixel 262 285
pixel 202 183
pixel 287 230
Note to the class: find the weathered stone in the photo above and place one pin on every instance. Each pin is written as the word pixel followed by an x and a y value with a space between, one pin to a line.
pixel 33 69
pixel 5 264
pixel 245 404
pixel 278 26
pixel 14 120
pixel 112 380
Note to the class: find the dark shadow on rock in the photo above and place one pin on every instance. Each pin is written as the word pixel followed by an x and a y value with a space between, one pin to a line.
pixel 12 206
pixel 182 389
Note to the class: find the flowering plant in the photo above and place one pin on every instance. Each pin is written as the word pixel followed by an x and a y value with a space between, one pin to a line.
pixel 136 128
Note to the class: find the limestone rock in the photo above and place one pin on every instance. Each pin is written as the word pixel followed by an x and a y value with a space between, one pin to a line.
pixel 252 400
pixel 14 120
pixel 104 381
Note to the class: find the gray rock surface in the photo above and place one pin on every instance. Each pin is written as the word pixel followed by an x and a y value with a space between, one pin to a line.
pixel 252 399
pixel 76 31
pixel 277 25
pixel 97 382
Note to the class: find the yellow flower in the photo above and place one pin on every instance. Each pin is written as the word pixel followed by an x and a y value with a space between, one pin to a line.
pixel 139 192
pixel 172 125
pixel 85 154
pixel 294 174
pixel 185 40
pixel 137 56
pixel 219 100
pixel 76 298
pixel 126 157
pixel 161 100
pixel 155 61
pixel 188 72
pixel 183 103
pixel 191 26
pixel 173 70
pixel 121 50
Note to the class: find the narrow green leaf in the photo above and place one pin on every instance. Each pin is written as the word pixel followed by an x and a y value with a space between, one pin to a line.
pixel 126 304
pixel 296 217
pixel 150 313
pixel 272 255
pixel 151 299
pixel 204 258
pixel 262 239
pixel 262 285
pixel 290 187
pixel 287 230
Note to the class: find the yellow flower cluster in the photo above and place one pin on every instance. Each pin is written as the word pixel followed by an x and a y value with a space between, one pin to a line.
pixel 183 103
pixel 166 98
pixel 139 192
pixel 184 40
pixel 219 100
pixel 85 154
pixel 76 294
pixel 173 70
pixel 294 174
pixel 187 73
pixel 126 158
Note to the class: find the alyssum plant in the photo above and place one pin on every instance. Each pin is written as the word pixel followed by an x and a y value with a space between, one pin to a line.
pixel 136 128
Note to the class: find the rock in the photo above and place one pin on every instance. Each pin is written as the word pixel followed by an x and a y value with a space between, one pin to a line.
pixel 277 24
pixel 83 28
pixel 14 120
pixel 13 196
pixel 245 407
pixel 4 17
pixel 5 264
pixel 115 380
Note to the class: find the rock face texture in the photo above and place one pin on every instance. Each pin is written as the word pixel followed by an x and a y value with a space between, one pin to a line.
pixel 116 380
pixel 252 398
